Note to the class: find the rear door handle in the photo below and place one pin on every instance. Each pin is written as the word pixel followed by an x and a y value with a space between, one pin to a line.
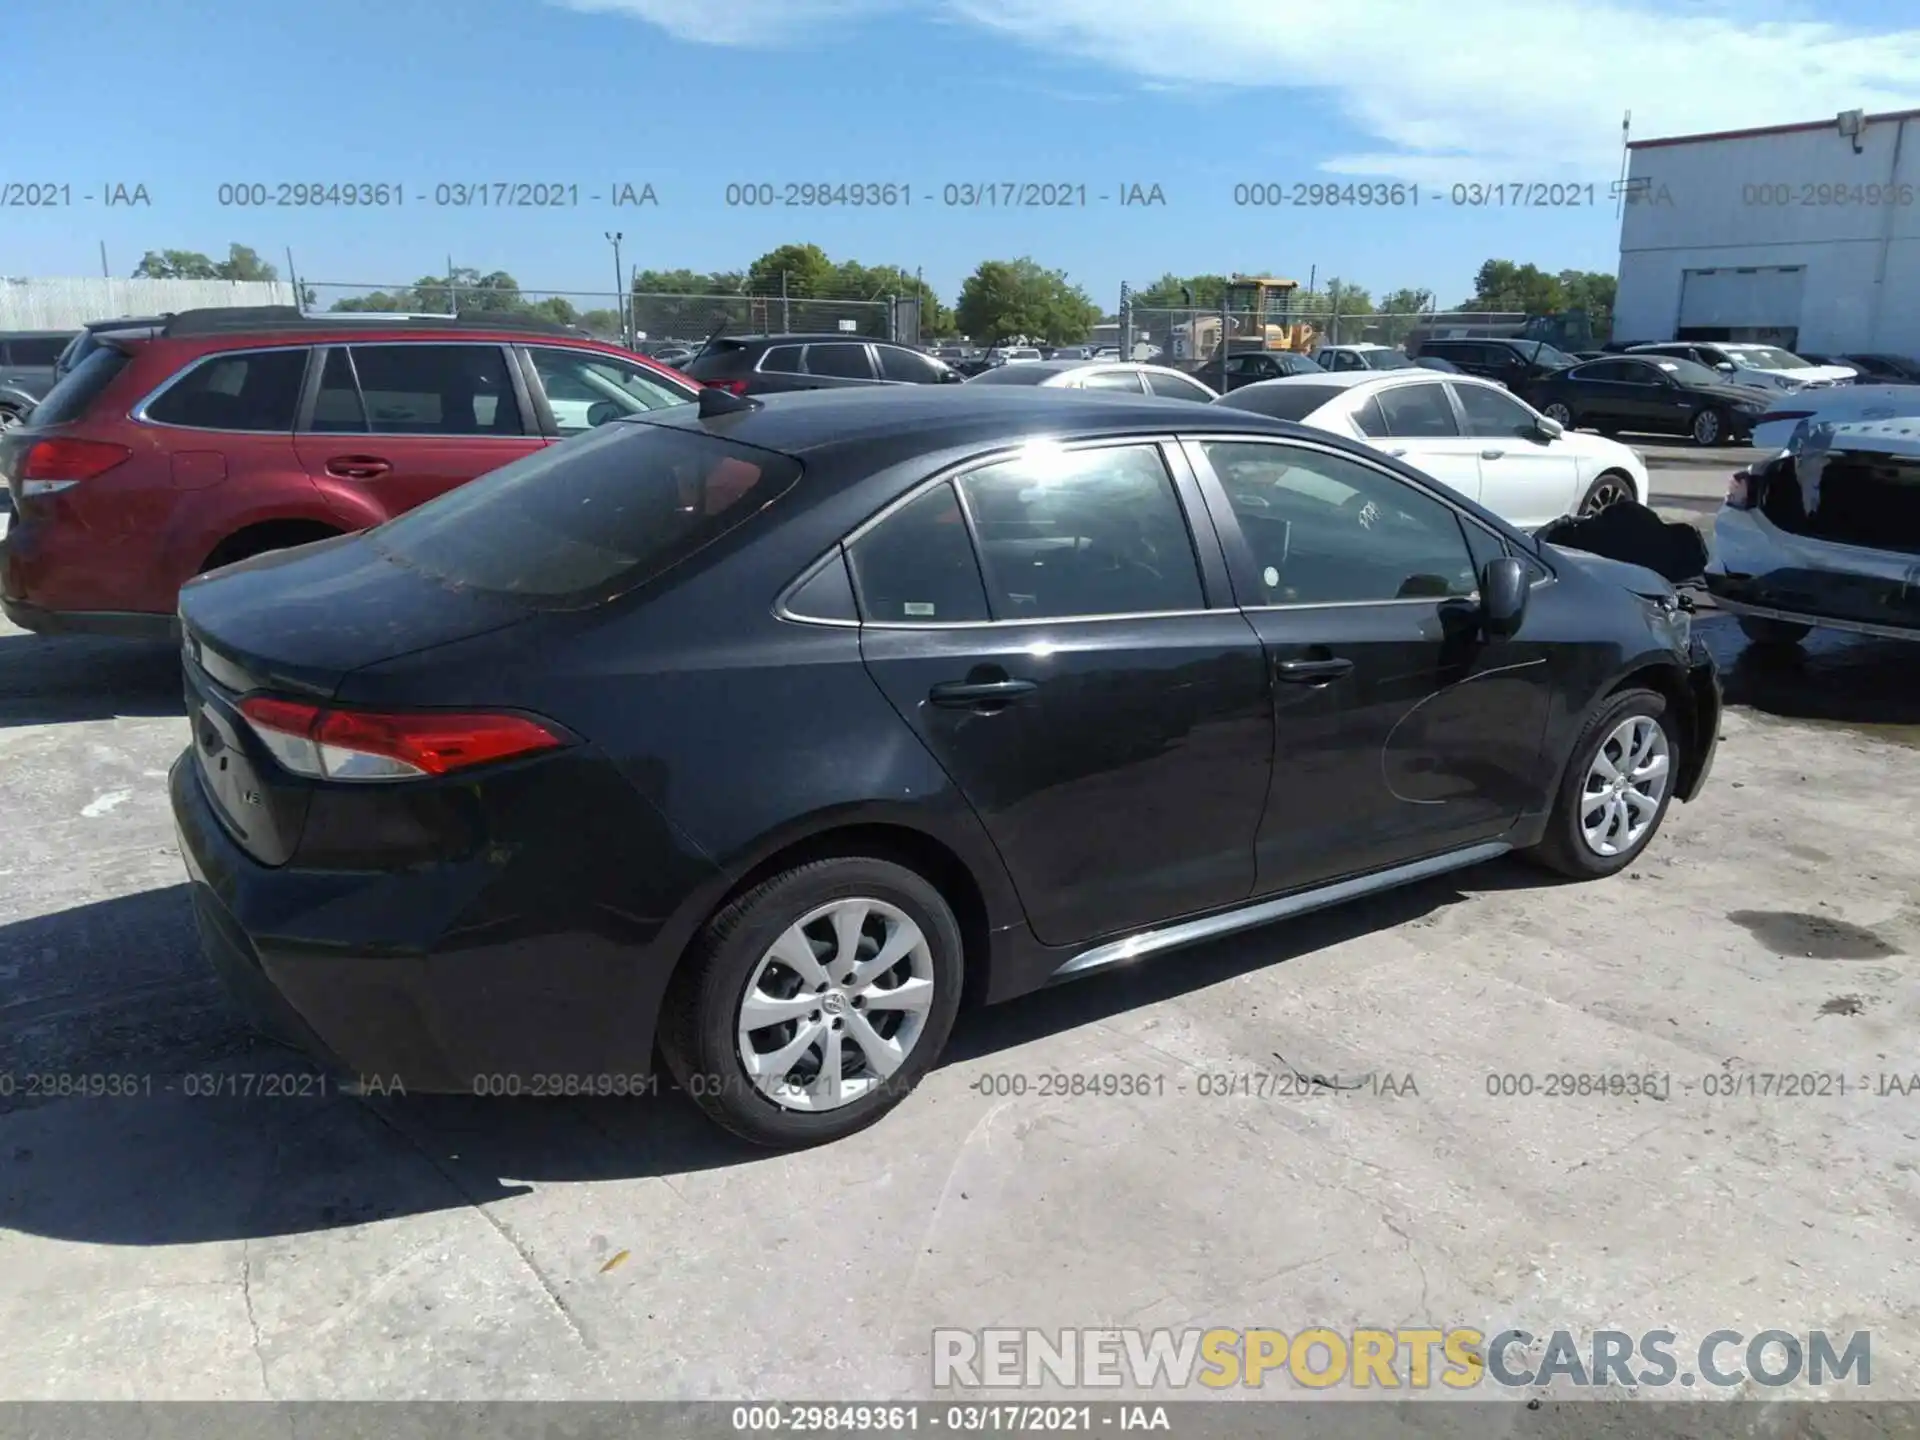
pixel 965 694
pixel 1491 454
pixel 359 467
pixel 1312 672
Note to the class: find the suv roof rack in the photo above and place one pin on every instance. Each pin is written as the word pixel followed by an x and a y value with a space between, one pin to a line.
pixel 275 319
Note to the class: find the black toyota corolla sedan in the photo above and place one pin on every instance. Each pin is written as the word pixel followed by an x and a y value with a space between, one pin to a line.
pixel 776 729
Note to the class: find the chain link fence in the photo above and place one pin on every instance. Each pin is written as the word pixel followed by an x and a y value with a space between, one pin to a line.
pixel 1193 334
pixel 644 318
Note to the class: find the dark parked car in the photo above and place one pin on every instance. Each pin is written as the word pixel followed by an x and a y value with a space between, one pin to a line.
pixel 27 359
pixel 1654 395
pixel 1520 365
pixel 780 728
pixel 1249 367
pixel 773 364
pixel 1878 369
pixel 1434 362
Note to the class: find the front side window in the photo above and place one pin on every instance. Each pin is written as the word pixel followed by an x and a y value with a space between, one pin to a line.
pixel 586 389
pixel 905 367
pixel 917 566
pixel 244 390
pixel 1418 411
pixel 436 389
pixel 1326 530
pixel 1082 532
pixel 846 362
pixel 1495 413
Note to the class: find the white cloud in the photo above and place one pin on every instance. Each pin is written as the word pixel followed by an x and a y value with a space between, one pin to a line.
pixel 759 24
pixel 1523 89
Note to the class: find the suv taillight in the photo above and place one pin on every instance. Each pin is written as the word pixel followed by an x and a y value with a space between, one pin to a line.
pixel 326 744
pixel 52 465
pixel 732 387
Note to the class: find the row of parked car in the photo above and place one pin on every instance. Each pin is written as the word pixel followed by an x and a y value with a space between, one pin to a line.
pixel 770 729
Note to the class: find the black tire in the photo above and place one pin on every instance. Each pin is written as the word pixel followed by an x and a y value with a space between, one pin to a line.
pixel 1563 848
pixel 10 417
pixel 1608 488
pixel 702 1006
pixel 1709 427
pixel 1773 633
pixel 1567 418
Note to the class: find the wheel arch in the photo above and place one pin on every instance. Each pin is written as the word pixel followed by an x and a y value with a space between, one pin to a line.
pixel 276 533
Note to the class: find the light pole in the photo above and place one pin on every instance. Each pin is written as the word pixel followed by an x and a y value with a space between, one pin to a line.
pixel 619 278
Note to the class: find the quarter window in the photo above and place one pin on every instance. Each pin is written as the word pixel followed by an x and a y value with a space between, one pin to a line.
pixel 1177 387
pixel 1417 411
pixel 905 366
pixel 1326 530
pixel 1127 380
pixel 245 390
pixel 917 566
pixel 783 360
pixel 1082 532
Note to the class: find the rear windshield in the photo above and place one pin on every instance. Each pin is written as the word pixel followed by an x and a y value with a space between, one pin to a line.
pixel 580 522
pixel 80 387
pixel 1282 401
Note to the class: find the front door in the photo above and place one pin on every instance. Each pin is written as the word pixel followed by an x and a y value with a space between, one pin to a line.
pixel 1399 731
pixel 1525 478
pixel 394 425
pixel 1112 732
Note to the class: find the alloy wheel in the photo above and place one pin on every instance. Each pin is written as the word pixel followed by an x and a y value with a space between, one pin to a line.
pixel 1559 414
pixel 1625 784
pixel 1608 490
pixel 1706 427
pixel 8 419
pixel 835 1005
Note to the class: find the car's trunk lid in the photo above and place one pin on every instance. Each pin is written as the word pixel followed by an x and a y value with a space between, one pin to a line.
pixel 294 623
pixel 1856 484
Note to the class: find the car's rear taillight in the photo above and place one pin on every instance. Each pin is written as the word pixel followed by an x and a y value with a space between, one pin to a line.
pixel 732 387
pixel 322 743
pixel 52 465
pixel 1740 490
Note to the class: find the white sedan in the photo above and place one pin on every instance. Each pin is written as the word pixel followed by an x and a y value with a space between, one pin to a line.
pixel 1470 434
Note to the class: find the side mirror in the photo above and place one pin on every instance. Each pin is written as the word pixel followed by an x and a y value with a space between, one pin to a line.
pixel 1549 428
pixel 602 412
pixel 951 377
pixel 1503 597
pixel 1725 367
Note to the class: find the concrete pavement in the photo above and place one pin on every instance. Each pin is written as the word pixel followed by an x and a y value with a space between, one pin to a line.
pixel 208 1220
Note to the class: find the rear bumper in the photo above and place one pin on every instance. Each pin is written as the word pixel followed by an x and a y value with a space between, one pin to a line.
pixel 413 980
pixel 1759 570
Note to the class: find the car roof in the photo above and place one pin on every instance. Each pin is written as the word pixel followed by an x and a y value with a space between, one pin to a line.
pixel 1350 379
pixel 799 337
pixel 923 419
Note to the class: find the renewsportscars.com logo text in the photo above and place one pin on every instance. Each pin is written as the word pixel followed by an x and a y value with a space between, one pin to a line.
pixel 1456 1358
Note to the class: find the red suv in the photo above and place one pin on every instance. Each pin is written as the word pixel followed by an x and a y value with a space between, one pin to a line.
pixel 224 435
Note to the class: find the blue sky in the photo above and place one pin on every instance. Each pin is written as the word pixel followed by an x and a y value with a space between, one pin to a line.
pixel 690 95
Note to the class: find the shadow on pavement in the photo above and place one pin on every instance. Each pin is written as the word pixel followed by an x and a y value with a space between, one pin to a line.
pixel 49 679
pixel 1868 684
pixel 225 1136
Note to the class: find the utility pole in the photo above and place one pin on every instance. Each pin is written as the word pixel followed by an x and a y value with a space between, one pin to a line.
pixel 614 237
pixel 105 273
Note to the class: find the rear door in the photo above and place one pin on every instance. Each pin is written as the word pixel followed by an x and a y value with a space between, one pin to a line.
pixel 1525 478
pixel 394 424
pixel 1083 678
pixel 1423 428
pixel 1398 732
pixel 837 364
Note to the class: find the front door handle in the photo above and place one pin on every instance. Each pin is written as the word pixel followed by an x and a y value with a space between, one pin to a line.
pixel 1312 672
pixel 1398 453
pixel 1491 454
pixel 359 467
pixel 966 694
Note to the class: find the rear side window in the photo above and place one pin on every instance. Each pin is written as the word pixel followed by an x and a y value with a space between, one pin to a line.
pixel 437 389
pixel 577 523
pixel 1173 387
pixel 783 360
pixel 40 350
pixel 245 390
pixel 917 566
pixel 847 362
pixel 80 387
pixel 1418 411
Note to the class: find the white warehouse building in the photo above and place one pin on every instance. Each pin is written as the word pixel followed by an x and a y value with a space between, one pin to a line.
pixel 1804 236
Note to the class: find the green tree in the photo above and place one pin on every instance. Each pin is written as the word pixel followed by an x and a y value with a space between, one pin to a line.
pixel 463 292
pixel 1170 292
pixel 800 272
pixel 684 304
pixel 1406 302
pixel 175 265
pixel 1502 285
pixel 244 263
pixel 1019 297
pixel 1593 291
